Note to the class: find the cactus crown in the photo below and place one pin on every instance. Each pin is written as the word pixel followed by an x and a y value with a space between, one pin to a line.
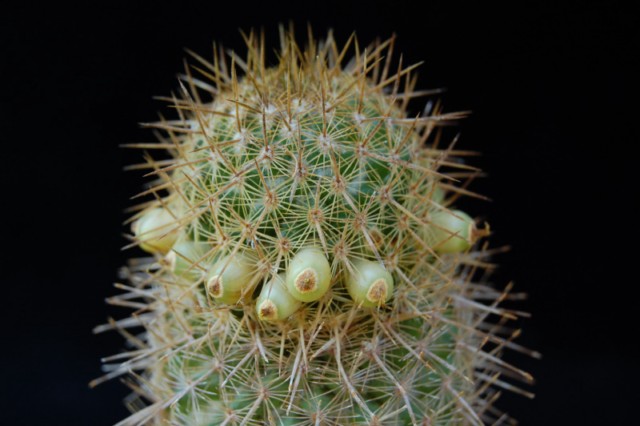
pixel 308 267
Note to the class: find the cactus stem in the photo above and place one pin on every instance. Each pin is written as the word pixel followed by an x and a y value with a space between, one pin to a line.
pixel 284 182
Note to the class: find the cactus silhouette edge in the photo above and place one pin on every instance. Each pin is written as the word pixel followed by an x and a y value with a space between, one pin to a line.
pixel 306 263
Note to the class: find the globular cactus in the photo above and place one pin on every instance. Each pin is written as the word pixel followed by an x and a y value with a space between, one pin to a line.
pixel 309 267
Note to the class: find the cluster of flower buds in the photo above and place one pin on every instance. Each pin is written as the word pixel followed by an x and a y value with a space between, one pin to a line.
pixel 231 279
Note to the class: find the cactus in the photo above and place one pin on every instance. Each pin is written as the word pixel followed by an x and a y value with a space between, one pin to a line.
pixel 307 265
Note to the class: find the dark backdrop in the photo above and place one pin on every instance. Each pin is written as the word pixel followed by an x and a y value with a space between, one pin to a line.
pixel 550 87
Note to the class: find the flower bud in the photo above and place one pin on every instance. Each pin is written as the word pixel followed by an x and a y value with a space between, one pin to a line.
pixel 275 302
pixel 370 284
pixel 156 231
pixel 228 277
pixel 452 231
pixel 309 275
pixel 183 257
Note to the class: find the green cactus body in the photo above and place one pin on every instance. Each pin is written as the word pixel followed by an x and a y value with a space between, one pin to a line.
pixel 307 268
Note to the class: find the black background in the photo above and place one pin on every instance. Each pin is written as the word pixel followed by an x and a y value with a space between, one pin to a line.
pixel 550 85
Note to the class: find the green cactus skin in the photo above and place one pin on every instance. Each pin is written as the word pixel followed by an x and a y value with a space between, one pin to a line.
pixel 311 173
